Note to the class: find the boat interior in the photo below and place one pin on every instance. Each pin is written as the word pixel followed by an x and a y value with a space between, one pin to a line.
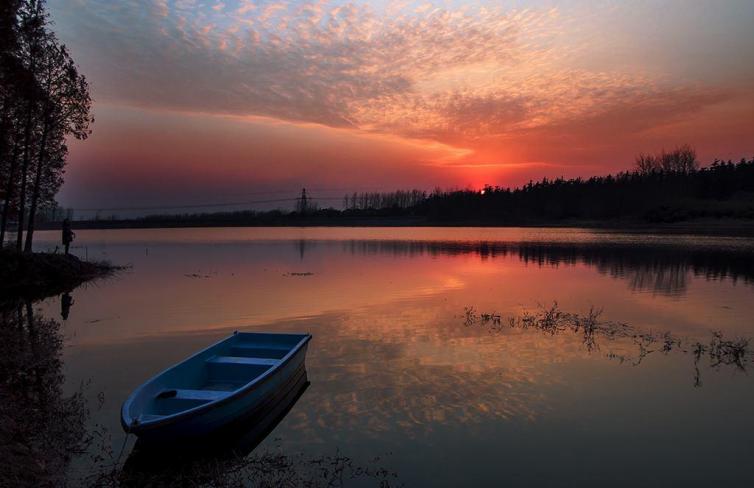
pixel 212 374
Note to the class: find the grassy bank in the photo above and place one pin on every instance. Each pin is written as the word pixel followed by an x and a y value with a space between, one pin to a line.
pixel 39 275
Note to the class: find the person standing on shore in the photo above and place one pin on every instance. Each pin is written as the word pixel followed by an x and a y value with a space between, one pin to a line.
pixel 68 234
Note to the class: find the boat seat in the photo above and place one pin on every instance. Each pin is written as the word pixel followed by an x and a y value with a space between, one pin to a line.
pixel 243 360
pixel 253 350
pixel 171 401
pixel 208 395
pixel 237 368
pixel 254 345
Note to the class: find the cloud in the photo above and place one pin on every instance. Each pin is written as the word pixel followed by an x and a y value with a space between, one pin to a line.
pixel 161 8
pixel 312 62
pixel 412 69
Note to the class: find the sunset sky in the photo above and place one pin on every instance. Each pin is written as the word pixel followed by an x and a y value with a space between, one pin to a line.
pixel 241 100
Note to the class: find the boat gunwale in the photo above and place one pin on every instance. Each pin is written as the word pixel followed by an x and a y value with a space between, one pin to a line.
pixel 136 426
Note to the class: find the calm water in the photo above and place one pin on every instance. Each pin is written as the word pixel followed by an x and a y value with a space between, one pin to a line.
pixel 399 372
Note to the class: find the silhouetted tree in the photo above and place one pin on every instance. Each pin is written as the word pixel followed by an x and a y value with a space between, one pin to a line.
pixel 381 200
pixel 64 111
pixel 44 100
pixel 647 163
pixel 15 88
pixel 680 160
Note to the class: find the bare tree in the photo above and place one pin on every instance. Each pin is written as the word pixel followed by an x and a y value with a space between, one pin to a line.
pixel 680 160
pixel 646 164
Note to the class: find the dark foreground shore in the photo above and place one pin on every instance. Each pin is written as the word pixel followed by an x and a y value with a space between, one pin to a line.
pixel 39 275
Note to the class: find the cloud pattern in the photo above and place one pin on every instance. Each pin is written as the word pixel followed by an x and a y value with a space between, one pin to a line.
pixel 452 73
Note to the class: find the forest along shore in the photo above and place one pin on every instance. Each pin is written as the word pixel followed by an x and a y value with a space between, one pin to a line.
pixel 667 192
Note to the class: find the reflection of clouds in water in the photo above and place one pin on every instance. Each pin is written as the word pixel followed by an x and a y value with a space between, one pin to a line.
pixel 373 376
pixel 419 370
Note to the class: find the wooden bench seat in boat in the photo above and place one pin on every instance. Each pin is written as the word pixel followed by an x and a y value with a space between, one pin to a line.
pixel 207 395
pixel 235 368
pixel 252 350
pixel 243 360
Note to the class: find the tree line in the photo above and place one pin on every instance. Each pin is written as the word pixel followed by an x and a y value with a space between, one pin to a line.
pixel 674 187
pixel 670 187
pixel 379 200
pixel 43 100
pixel 663 187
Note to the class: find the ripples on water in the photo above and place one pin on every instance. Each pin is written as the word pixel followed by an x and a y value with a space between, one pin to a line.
pixel 398 373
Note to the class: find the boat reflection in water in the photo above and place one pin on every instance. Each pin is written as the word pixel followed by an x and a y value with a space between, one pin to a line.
pixel 223 455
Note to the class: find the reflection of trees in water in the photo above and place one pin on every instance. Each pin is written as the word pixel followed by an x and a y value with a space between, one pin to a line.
pixel 662 269
pixel 40 428
pixel 667 280
pixel 718 350
pixel 271 469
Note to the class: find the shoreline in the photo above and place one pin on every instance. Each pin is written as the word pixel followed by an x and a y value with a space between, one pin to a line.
pixel 712 227
pixel 41 274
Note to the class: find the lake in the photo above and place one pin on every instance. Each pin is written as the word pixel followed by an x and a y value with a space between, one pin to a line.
pixel 444 356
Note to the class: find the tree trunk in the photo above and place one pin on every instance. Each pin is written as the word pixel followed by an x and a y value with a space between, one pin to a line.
pixel 24 175
pixel 8 194
pixel 21 209
pixel 33 51
pixel 35 191
pixel 22 203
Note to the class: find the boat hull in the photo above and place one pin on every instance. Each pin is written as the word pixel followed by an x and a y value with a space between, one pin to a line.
pixel 218 417
pixel 162 466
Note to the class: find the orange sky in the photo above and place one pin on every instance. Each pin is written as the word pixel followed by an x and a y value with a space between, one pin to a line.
pixel 210 101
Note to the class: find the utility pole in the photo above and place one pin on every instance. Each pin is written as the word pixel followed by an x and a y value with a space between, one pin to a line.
pixel 303 202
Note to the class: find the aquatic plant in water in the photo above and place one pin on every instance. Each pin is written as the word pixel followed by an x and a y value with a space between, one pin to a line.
pixel 552 320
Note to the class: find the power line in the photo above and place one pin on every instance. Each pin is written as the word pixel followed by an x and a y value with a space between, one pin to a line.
pixel 200 205
pixel 226 204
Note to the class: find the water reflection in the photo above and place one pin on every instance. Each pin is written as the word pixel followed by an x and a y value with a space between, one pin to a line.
pixel 662 269
pixel 215 458
pixel 229 458
pixel 47 438
pixel 66 302
pixel 394 369
pixel 41 429
pixel 302 246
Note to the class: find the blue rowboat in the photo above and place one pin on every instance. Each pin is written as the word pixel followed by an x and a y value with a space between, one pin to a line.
pixel 228 382
pixel 153 465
